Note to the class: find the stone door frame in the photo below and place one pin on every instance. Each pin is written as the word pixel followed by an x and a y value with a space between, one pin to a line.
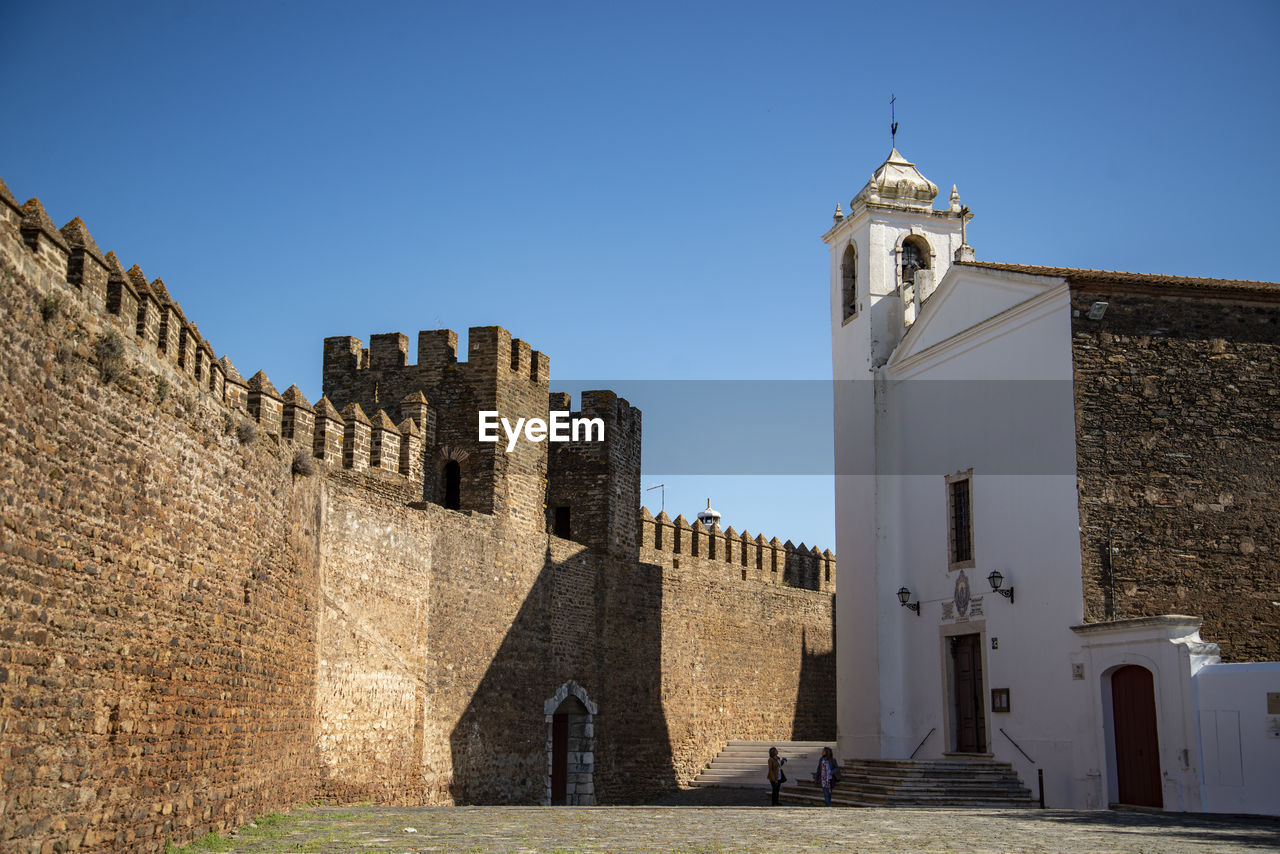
pixel 581 759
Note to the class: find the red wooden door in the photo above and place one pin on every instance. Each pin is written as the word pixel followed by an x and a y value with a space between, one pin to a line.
pixel 971 725
pixel 1133 713
pixel 559 758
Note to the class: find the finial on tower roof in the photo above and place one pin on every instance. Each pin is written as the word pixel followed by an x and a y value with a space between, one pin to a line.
pixel 893 122
pixel 838 215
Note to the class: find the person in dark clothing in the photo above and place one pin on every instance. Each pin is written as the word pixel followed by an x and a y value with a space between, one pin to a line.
pixel 776 775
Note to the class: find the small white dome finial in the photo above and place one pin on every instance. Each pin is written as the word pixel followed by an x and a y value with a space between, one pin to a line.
pixel 708 518
pixel 955 199
pixel 836 217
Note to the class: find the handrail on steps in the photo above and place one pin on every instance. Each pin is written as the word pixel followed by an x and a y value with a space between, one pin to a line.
pixel 922 741
pixel 1015 744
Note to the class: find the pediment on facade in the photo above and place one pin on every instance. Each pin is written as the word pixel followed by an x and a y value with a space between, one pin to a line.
pixel 966 300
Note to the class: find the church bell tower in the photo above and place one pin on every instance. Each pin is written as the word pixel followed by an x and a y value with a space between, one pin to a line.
pixel 887 256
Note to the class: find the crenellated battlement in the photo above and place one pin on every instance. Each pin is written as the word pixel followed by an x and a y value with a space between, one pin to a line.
pixel 413 422
pixel 164 343
pixel 443 397
pixel 728 554
pixel 381 373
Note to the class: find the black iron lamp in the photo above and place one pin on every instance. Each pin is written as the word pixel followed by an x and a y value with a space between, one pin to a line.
pixel 904 594
pixel 996 580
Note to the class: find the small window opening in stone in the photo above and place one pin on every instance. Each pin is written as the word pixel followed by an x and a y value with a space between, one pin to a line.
pixel 849 282
pixel 914 257
pixel 744 575
pixel 452 485
pixel 562 528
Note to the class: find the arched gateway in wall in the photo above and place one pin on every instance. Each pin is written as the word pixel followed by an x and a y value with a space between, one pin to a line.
pixel 570 747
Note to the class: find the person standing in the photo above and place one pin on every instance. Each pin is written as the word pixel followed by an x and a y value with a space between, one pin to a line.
pixel 776 775
pixel 828 773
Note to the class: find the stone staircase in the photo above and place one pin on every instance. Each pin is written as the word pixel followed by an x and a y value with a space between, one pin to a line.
pixel 745 764
pixel 918 783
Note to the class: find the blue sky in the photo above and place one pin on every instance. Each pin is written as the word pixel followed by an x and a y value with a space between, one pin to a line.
pixel 635 189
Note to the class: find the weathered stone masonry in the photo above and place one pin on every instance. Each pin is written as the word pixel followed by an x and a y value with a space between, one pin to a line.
pixel 221 600
pixel 1178 436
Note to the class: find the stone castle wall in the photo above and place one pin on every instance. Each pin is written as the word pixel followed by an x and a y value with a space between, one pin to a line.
pixel 432 684
pixel 222 601
pixel 1178 437
pixel 157 652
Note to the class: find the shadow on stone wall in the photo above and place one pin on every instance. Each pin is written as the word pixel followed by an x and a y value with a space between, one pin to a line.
pixel 594 620
pixel 815 717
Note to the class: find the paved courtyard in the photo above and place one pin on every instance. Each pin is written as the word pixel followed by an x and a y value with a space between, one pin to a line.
pixel 724 829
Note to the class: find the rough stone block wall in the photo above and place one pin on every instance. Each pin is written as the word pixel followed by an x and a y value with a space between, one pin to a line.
pixel 499 374
pixel 374 713
pixel 157 650
pixel 677 662
pixel 1178 438
pixel 599 481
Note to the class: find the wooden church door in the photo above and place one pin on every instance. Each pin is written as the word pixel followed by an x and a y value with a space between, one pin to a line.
pixel 1133 714
pixel 971 725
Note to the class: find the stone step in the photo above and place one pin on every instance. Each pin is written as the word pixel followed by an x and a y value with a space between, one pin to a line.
pixel 925 778
pixel 745 764
pixel 845 800
pixel 930 783
pixel 926 786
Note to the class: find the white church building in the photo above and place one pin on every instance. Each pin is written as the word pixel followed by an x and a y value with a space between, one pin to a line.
pixel 1004 593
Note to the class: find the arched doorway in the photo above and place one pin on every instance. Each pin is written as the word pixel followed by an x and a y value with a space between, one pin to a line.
pixel 1137 743
pixel 570 747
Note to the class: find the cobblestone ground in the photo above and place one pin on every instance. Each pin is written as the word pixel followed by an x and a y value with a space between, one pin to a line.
pixel 703 828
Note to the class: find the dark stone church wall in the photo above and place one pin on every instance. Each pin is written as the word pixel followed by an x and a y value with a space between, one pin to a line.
pixel 159 586
pixel 1178 459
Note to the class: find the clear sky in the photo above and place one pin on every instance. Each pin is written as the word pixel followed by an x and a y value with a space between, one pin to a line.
pixel 635 189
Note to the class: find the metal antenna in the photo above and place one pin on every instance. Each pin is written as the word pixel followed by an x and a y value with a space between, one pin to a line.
pixel 663 487
pixel 893 122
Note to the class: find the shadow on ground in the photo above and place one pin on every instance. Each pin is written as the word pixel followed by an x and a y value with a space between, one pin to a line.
pixel 1186 827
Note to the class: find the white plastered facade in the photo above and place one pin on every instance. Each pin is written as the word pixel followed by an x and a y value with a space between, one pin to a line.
pixel 977 383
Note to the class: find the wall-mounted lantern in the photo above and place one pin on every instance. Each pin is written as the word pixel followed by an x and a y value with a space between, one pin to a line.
pixel 904 594
pixel 996 580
